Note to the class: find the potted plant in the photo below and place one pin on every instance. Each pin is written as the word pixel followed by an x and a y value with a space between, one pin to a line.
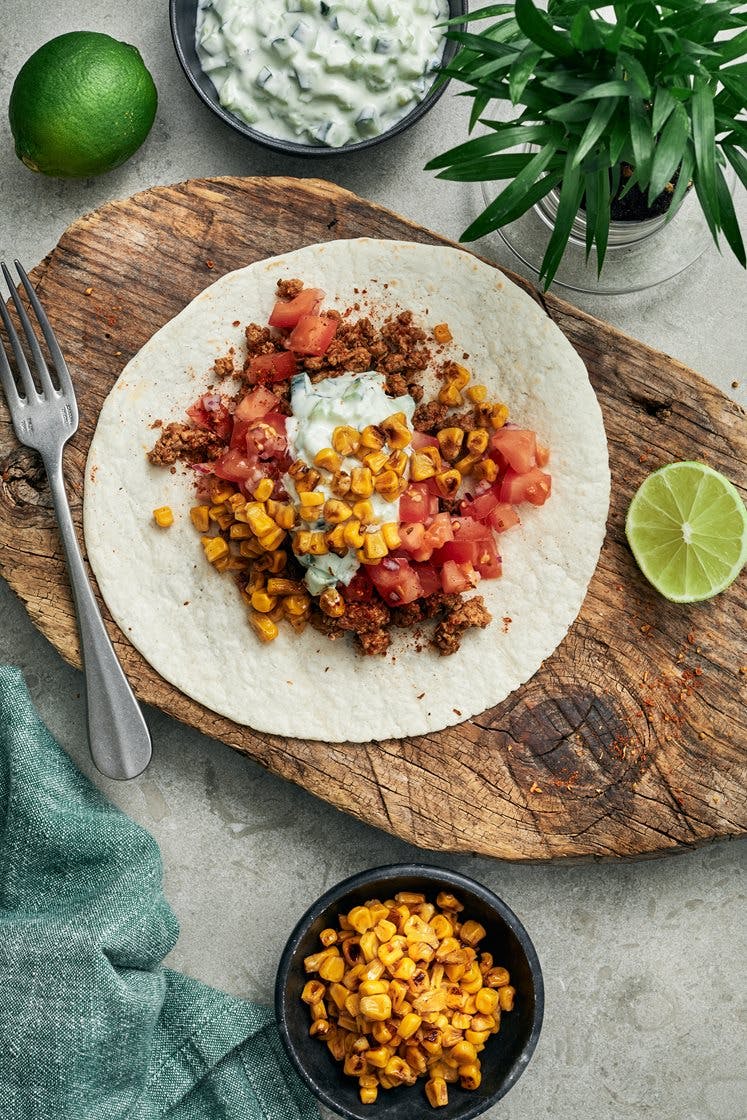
pixel 621 113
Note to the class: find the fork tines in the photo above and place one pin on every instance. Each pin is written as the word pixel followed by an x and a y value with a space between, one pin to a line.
pixel 48 387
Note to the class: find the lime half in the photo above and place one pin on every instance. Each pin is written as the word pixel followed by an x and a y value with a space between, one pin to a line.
pixel 687 528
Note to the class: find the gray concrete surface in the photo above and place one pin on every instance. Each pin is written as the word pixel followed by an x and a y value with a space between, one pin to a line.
pixel 644 962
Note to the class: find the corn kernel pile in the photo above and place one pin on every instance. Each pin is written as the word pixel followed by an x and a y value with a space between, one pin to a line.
pixel 350 513
pixel 400 993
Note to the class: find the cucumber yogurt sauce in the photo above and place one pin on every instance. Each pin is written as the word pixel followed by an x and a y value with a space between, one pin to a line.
pixel 328 72
pixel 355 399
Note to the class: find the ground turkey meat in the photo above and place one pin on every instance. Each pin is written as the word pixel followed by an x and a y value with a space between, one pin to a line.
pixel 180 441
pixel 368 621
pixel 260 340
pixel 429 418
pixel 409 615
pixel 224 366
pixel 436 604
pixel 469 612
pixel 288 289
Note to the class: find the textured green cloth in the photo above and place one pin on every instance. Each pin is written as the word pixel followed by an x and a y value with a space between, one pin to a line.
pixel 91 1026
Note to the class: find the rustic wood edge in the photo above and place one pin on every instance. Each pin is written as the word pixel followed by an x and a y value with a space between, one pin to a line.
pixel 557 309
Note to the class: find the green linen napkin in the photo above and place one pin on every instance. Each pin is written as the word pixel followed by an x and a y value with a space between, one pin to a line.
pixel 91 1026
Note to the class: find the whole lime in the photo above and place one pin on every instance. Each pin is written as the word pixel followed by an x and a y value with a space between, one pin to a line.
pixel 81 105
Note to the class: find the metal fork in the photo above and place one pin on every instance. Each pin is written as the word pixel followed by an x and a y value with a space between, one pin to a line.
pixel 44 421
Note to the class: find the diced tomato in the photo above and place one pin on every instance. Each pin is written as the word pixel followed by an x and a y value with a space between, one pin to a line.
pixel 534 487
pixel 439 531
pixel 312 334
pixel 436 534
pixel 543 455
pixel 461 552
pixel 359 590
pixel 287 312
pixel 516 447
pixel 467 529
pixel 237 467
pixel 256 403
pixel 238 435
pixel 417 503
pixel 487 561
pixel 211 413
pixel 420 440
pixel 457 577
pixel 472 545
pixel 395 580
pixel 481 507
pixel 266 369
pixel 411 536
pixel 429 578
pixel 503 517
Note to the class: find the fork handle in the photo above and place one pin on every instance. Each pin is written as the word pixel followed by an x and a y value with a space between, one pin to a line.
pixel 118 735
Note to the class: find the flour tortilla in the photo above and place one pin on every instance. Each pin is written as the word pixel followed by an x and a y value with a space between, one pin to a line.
pixel 190 622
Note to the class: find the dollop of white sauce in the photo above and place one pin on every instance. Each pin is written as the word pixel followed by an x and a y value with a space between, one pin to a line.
pixel 356 400
pixel 328 72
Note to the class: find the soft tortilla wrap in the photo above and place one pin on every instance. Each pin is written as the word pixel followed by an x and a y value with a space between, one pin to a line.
pixel 190 622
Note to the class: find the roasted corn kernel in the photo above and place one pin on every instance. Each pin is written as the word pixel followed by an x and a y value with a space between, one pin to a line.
pixel 498 415
pixel 263 602
pixel 333 604
pixel 422 465
pixel 441 333
pixel 390 533
pixel 485 471
pixel 328 459
pixel 336 511
pixel 263 490
pixel 265 629
pixel 340 484
pixel 477 441
pixel 163 517
pixel 345 440
pixel 361 482
pixel 448 483
pixel 477 393
pixel 450 395
pixel 215 548
pixel 387 484
pixel 374 545
pixel 199 518
pixel 450 443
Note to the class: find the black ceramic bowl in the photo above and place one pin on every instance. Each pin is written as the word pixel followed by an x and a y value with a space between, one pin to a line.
pixel 183 18
pixel 506 1054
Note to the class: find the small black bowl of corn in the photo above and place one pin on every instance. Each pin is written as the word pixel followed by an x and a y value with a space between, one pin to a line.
pixel 315 77
pixel 408 992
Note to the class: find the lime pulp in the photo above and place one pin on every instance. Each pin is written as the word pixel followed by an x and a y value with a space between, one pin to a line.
pixel 687 528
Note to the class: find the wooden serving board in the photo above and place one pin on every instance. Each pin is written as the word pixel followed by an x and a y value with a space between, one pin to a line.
pixel 628 742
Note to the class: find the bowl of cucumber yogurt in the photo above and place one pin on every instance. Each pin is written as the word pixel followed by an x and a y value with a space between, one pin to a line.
pixel 315 77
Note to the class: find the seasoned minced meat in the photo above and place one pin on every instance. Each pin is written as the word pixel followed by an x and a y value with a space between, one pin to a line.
pixel 368 621
pixel 429 418
pixel 375 642
pixel 397 351
pixel 224 366
pixel 180 441
pixel 439 602
pixel 407 616
pixel 260 340
pixel 365 617
pixel 288 289
pixel 469 612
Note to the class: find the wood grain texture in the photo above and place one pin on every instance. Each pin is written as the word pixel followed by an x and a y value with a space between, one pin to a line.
pixel 630 741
